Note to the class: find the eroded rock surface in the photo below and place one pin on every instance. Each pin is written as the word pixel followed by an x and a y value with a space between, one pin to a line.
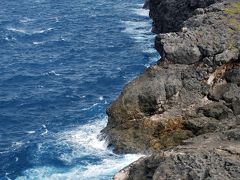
pixel 209 156
pixel 193 93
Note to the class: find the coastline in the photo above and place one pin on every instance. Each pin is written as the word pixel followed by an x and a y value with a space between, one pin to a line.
pixel 184 110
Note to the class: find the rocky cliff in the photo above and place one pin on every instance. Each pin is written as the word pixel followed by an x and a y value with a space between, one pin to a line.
pixel 185 110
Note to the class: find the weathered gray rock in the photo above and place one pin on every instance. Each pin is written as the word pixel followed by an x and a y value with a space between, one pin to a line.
pixel 236 106
pixel 204 36
pixel 198 67
pixel 226 56
pixel 210 156
pixel 216 110
pixel 232 93
pixel 191 93
pixel 178 49
pixel 169 15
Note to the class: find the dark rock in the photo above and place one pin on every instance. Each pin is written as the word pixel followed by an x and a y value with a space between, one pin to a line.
pixel 186 81
pixel 232 93
pixel 146 4
pixel 215 110
pixel 185 110
pixel 147 104
pixel 233 75
pixel 226 56
pixel 178 49
pixel 169 15
pixel 216 157
pixel 170 90
pixel 236 106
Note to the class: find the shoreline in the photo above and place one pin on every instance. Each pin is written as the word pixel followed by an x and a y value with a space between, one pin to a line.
pixel 184 110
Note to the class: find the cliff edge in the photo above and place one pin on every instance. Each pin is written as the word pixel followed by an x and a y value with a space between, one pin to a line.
pixel 185 110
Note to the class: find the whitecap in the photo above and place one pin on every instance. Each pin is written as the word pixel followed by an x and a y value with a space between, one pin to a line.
pixel 7 39
pixel 41 31
pixel 26 20
pixel 88 108
pixel 45 130
pixel 101 98
pixel 141 12
pixel 138 30
pixel 30 132
pixel 38 42
pixel 28 32
pixel 54 73
pixel 19 30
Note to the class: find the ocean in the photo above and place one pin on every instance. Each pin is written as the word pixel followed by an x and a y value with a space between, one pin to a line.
pixel 62 62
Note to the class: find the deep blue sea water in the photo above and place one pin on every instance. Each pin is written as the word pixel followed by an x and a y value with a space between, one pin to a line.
pixel 62 62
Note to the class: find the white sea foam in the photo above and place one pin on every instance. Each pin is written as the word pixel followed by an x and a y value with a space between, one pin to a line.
pixel 38 42
pixel 88 108
pixel 141 12
pixel 140 5
pixel 108 166
pixel 17 144
pixel 136 27
pixel 26 20
pixel 10 38
pixel 28 32
pixel 104 170
pixel 7 39
pixel 150 50
pixel 140 31
pixel 19 30
pixel 54 73
pixel 40 31
pixel 30 132
pixel 83 141
pixel 101 98
pixel 45 130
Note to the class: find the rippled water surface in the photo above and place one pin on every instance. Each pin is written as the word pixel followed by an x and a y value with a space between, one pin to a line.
pixel 62 62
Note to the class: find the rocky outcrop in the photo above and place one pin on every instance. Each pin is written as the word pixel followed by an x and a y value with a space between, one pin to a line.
pixel 193 93
pixel 169 16
pixel 210 156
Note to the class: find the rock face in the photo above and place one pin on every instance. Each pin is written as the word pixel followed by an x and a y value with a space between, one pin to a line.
pixel 210 156
pixel 192 93
pixel 169 16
